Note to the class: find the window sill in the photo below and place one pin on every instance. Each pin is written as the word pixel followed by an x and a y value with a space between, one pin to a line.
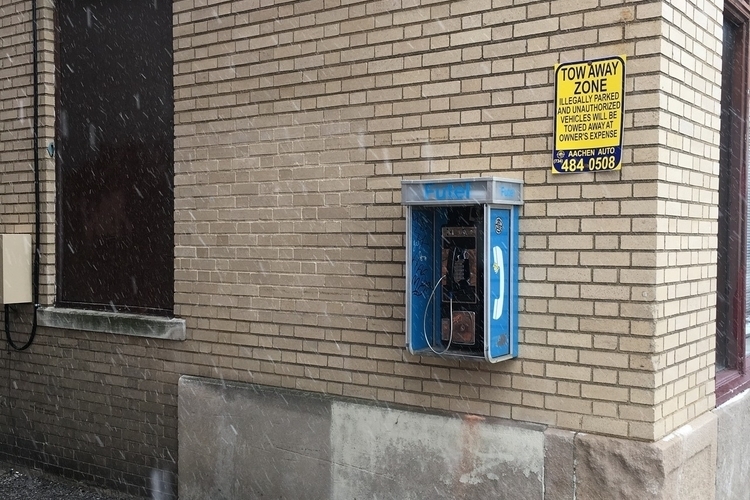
pixel 729 383
pixel 136 325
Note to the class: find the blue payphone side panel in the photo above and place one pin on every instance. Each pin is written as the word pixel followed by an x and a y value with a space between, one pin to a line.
pixel 421 268
pixel 502 283
pixel 424 268
pixel 514 245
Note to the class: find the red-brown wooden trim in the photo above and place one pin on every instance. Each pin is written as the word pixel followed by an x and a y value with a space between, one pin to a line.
pixel 729 383
pixel 735 378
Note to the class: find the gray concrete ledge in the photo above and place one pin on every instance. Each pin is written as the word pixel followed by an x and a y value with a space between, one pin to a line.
pixel 238 441
pixel 108 322
pixel 732 472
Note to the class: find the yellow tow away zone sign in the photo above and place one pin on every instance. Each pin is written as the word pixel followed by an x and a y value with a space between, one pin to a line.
pixel 588 115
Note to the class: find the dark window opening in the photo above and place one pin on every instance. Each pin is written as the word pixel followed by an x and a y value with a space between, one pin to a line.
pixel 115 140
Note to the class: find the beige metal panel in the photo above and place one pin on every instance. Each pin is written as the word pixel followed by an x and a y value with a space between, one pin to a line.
pixel 16 268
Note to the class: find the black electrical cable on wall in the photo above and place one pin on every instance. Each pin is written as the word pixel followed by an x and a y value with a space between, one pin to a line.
pixel 37 205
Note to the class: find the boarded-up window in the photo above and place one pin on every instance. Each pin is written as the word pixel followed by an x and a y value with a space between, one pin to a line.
pixel 115 134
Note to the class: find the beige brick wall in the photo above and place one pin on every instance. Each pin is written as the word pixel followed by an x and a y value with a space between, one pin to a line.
pixel 295 123
pixel 289 162
pixel 687 211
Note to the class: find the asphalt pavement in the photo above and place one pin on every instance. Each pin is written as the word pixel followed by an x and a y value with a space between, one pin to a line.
pixel 21 484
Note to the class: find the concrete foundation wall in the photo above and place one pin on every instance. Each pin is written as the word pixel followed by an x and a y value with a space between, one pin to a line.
pixel 241 441
pixel 733 445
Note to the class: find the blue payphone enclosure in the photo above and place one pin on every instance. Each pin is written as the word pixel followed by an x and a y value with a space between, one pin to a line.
pixel 494 205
